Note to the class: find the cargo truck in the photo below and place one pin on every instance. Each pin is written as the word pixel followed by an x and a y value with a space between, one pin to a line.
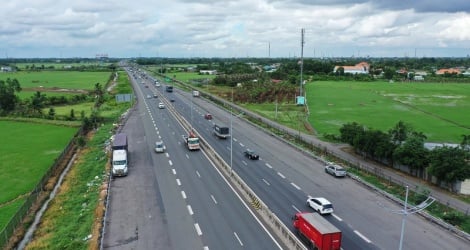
pixel 317 232
pixel 195 93
pixel 221 131
pixel 120 158
pixel 191 141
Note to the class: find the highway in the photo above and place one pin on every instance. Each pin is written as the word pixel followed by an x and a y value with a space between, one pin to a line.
pixel 284 176
pixel 176 199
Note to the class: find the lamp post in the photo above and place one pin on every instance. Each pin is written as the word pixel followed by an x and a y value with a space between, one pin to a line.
pixel 406 211
pixel 231 135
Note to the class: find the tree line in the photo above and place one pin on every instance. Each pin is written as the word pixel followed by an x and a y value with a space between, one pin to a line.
pixel 404 146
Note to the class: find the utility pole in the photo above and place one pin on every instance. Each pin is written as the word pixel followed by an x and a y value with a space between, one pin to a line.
pixel 302 42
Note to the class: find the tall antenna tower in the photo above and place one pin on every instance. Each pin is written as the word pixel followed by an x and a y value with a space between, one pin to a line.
pixel 302 42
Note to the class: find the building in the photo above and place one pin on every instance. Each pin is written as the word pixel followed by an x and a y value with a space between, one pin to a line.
pixel 448 71
pixel 360 68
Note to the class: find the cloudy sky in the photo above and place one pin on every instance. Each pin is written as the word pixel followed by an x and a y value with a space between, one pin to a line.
pixel 236 28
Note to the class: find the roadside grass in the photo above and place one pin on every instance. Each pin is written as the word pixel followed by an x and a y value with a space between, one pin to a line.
pixel 437 110
pixel 58 79
pixel 28 150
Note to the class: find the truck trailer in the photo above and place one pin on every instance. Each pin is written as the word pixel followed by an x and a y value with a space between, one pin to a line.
pixel 221 131
pixel 317 232
pixel 120 141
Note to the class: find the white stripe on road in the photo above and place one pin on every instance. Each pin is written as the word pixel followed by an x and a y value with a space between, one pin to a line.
pixel 190 210
pixel 173 170
pixel 293 184
pixel 238 238
pixel 337 217
pixel 282 176
pixel 198 175
pixel 178 182
pixel 296 209
pixel 269 166
pixel 265 181
pixel 198 229
pixel 170 162
pixel 362 236
pixel 241 144
pixel 183 194
pixel 213 199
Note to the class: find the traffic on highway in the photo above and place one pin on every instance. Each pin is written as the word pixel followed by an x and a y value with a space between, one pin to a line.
pixel 178 198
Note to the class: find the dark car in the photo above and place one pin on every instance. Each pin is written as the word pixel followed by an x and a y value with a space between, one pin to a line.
pixel 251 154
pixel 208 116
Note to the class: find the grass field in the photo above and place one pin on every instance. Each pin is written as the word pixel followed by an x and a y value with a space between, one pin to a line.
pixel 58 79
pixel 28 150
pixel 58 65
pixel 440 111
pixel 28 94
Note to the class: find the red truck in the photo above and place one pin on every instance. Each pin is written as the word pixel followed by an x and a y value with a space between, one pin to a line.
pixel 317 232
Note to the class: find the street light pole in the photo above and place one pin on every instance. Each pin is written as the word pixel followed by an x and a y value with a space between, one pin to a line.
pixel 231 135
pixel 403 222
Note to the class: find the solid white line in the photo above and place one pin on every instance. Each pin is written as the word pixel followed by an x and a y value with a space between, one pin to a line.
pixel 190 210
pixel 362 236
pixel 198 175
pixel 269 166
pixel 178 182
pixel 183 194
pixel 170 162
pixel 296 209
pixel 198 229
pixel 248 207
pixel 238 238
pixel 337 217
pixel 213 199
pixel 267 183
pixel 173 170
pixel 293 184
pixel 282 176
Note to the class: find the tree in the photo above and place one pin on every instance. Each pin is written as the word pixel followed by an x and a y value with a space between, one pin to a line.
pixel 38 102
pixel 72 115
pixel 8 99
pixel 400 132
pixel 51 114
pixel 349 131
pixel 449 164
pixel 412 153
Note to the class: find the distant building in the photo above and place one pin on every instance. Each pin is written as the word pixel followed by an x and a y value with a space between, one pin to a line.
pixel 6 69
pixel 208 72
pixel 360 68
pixel 448 71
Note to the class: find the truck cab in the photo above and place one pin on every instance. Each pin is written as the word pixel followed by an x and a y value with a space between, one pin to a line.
pixel 119 163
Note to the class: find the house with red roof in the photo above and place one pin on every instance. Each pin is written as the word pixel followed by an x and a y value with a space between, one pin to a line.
pixel 360 68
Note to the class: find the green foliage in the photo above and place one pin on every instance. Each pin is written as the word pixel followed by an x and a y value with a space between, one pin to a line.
pixel 450 164
pixel 8 90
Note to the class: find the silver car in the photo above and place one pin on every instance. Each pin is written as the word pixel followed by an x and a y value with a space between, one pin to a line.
pixel 159 147
pixel 335 170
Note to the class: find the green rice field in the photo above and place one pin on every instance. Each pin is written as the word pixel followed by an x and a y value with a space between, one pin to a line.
pixel 28 150
pixel 440 111
pixel 58 79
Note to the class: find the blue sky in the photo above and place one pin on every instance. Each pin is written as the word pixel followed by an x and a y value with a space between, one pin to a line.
pixel 238 28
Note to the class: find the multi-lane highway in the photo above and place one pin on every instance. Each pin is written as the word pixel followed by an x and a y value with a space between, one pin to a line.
pixel 282 178
pixel 176 199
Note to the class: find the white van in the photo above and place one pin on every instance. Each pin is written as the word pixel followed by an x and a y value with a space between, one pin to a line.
pixel 120 163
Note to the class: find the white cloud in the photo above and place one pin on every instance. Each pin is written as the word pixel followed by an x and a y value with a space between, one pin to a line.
pixel 210 28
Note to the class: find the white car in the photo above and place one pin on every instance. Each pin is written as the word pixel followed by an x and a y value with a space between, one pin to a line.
pixel 159 147
pixel 161 105
pixel 335 170
pixel 320 204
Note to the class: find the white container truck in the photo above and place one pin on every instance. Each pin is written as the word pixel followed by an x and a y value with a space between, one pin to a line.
pixel 120 161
